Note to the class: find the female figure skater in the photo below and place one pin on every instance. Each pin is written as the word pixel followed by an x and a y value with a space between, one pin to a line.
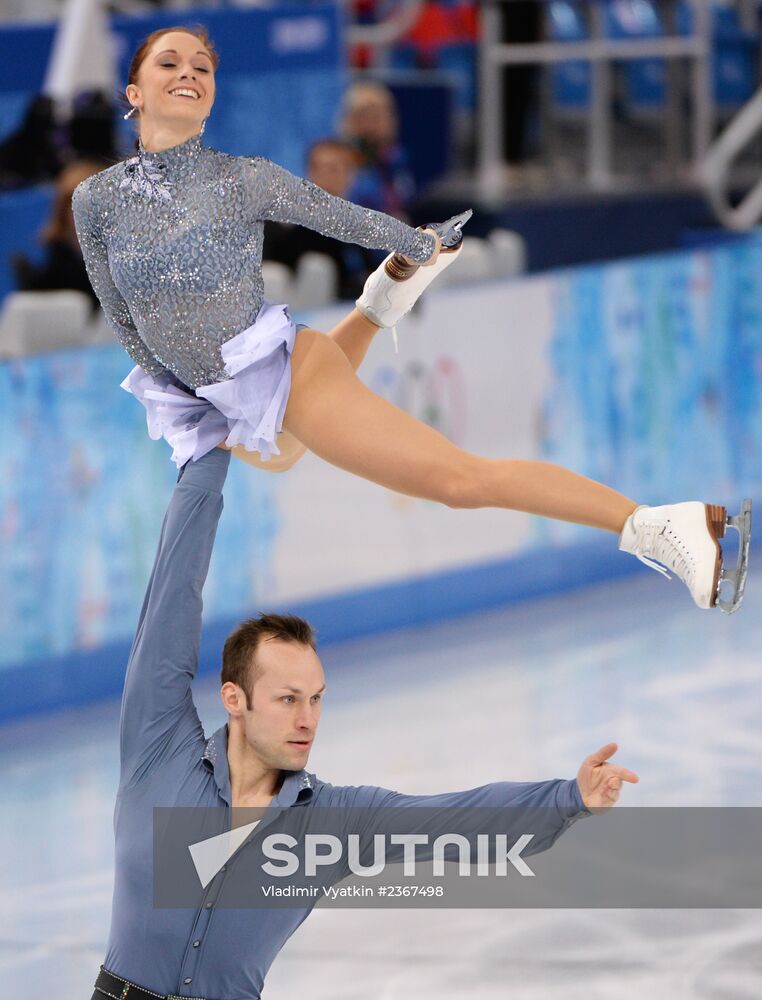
pixel 172 240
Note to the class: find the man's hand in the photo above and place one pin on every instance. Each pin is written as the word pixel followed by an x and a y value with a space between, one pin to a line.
pixel 600 782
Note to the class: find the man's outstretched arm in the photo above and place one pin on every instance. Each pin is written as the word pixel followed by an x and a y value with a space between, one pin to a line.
pixel 158 713
pixel 548 807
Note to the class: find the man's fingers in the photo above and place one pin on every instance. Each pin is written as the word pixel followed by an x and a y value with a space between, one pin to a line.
pixel 602 755
pixel 603 780
pixel 611 791
pixel 625 774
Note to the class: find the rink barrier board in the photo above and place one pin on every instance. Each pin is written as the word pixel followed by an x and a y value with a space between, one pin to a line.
pixel 82 677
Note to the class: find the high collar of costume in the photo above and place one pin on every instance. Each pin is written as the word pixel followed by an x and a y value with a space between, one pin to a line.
pixel 174 154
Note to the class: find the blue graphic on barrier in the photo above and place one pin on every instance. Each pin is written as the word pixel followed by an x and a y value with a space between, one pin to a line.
pixel 657 375
pixel 82 494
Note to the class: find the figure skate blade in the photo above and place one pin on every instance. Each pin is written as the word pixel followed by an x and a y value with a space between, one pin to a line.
pixel 736 578
pixel 449 232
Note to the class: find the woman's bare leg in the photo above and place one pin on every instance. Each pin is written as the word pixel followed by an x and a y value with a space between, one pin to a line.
pixel 342 421
pixel 354 335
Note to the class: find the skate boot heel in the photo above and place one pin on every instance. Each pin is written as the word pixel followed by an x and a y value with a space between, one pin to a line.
pixel 717 519
pixel 400 269
pixel 736 577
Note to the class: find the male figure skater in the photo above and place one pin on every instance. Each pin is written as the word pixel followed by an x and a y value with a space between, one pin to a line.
pixel 272 684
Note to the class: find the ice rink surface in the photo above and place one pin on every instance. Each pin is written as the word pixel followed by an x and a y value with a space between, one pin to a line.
pixel 522 693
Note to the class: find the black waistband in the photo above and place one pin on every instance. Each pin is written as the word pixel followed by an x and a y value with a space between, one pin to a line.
pixel 109 985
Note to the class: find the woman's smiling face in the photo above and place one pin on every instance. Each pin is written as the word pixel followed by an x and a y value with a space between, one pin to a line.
pixel 177 67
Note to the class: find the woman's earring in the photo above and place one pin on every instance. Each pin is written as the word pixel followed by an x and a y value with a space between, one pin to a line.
pixel 203 126
pixel 131 112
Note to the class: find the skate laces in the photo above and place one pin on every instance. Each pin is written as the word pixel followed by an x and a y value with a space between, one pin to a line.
pixel 662 551
pixel 654 565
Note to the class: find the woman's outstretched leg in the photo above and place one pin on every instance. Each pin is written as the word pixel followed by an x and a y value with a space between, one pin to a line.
pixel 341 420
pixel 334 415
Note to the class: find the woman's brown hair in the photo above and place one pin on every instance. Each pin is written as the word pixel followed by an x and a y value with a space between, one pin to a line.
pixel 197 30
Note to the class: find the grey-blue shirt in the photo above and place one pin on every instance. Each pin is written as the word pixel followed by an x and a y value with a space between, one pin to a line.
pixel 165 760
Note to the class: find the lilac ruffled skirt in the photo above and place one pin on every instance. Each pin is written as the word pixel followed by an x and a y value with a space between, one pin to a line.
pixel 246 409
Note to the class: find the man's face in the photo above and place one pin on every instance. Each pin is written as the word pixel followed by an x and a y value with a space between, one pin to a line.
pixel 333 169
pixel 285 704
pixel 373 118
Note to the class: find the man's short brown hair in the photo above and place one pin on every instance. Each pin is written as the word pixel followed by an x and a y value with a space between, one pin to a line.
pixel 239 662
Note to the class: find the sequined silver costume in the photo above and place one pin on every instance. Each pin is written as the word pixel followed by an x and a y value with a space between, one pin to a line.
pixel 172 242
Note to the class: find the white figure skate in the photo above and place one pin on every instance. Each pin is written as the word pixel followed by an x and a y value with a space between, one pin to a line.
pixel 684 538
pixel 395 286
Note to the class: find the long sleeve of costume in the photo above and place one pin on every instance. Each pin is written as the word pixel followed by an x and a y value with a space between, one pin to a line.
pixel 158 713
pixel 95 256
pixel 280 196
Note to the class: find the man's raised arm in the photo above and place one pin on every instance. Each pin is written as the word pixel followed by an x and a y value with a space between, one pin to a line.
pixel 158 713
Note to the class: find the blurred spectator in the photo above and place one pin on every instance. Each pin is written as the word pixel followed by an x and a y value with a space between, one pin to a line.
pixel 369 122
pixel 521 22
pixel 332 165
pixel 92 134
pixel 439 25
pixel 37 150
pixel 63 266
pixel 31 154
